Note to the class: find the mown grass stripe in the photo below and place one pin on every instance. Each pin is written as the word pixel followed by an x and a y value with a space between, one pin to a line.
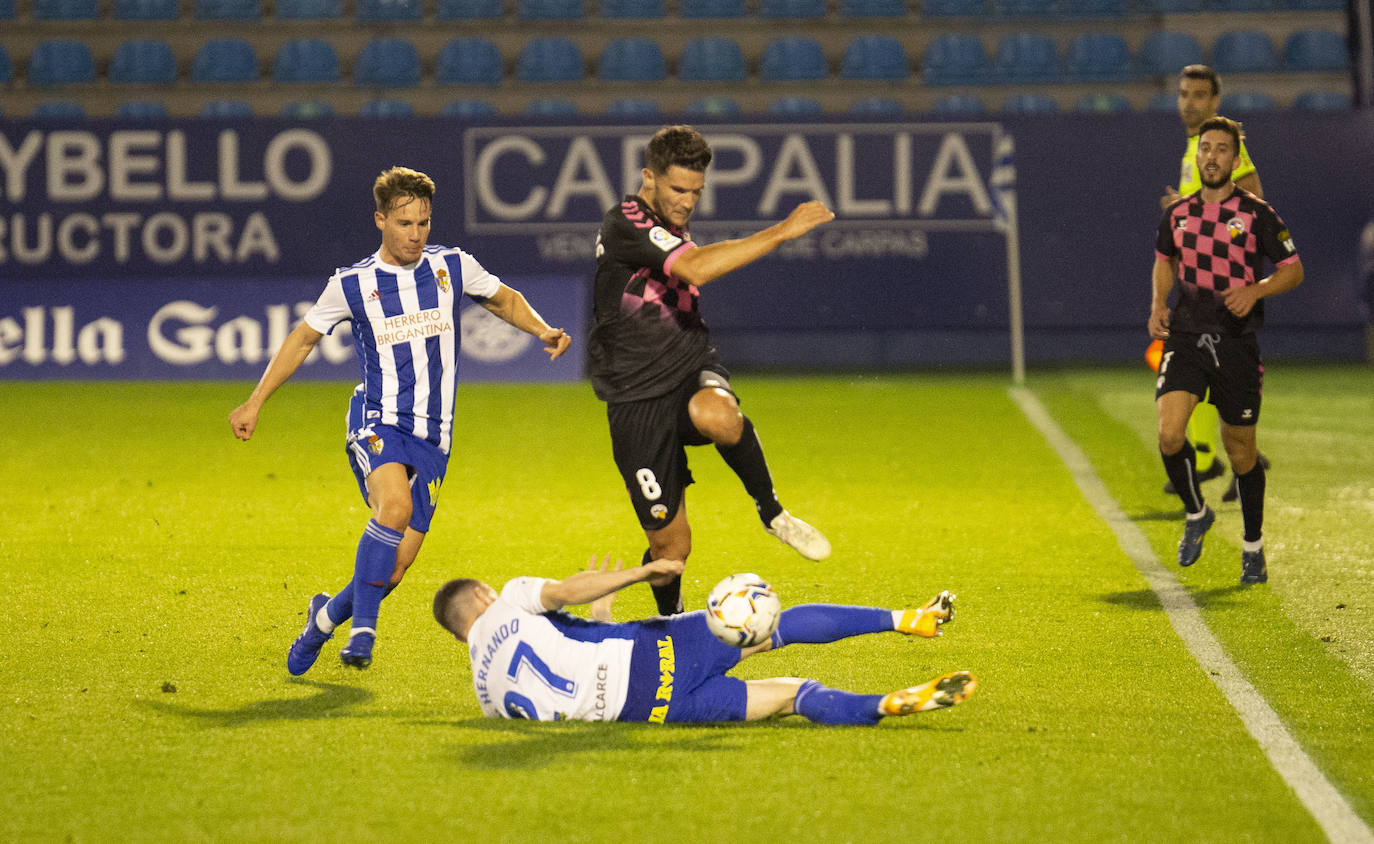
pixel 1327 805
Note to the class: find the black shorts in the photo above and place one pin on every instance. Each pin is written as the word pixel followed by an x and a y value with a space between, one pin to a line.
pixel 649 439
pixel 1230 367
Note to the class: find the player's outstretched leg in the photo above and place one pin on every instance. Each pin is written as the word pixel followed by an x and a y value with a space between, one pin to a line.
pixel 805 539
pixel 927 620
pixel 942 692
pixel 306 649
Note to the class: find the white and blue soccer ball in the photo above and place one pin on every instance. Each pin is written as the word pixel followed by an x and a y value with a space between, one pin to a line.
pixel 743 610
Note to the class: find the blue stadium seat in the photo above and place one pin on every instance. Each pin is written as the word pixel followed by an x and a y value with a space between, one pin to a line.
pixel 7 10
pixel 874 57
pixel 1166 101
pixel 795 106
pixel 143 63
pixel 380 11
pixel 386 108
pixel 1025 8
pixel 632 59
pixel 638 9
pixel 958 104
pixel 307 10
pixel 6 68
pixel 954 8
pixel 1095 8
pixel 1231 7
pixel 1030 104
pixel 1103 104
pixel 873 8
pixel 878 107
pixel 387 63
pixel 1097 56
pixel 467 10
pixel 58 110
pixel 146 10
pixel 1319 50
pixel 712 59
pixel 632 107
pixel 307 109
pixel 955 60
pixel 792 58
pixel 1244 51
pixel 1246 101
pixel 796 9
pixel 141 110
pixel 61 62
pixel 1322 101
pixel 714 106
pixel 468 108
pixel 224 109
pixel 306 60
pixel 468 61
pixel 1165 53
pixel 225 60
pixel 65 10
pixel 228 10
pixel 549 59
pixel 711 9
pixel 1026 57
pixel 551 107
pixel 543 10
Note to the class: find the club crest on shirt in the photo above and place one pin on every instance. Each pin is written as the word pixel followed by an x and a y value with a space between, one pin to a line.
pixel 442 278
pixel 1236 226
pixel 664 239
pixel 1181 224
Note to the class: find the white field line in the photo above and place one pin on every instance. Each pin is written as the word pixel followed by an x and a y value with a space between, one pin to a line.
pixel 1327 805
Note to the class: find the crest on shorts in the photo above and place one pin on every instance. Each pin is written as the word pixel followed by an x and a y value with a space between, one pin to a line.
pixel 1236 226
pixel 658 511
pixel 374 443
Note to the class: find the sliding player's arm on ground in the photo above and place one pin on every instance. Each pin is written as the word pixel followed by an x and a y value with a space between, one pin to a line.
pixel 294 350
pixel 708 263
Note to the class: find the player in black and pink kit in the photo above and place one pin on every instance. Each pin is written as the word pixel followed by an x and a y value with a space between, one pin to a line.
pixel 1220 236
pixel 651 359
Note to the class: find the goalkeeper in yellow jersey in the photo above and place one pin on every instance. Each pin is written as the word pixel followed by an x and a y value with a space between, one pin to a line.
pixel 1199 95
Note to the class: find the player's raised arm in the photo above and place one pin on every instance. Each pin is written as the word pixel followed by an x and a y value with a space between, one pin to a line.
pixel 587 586
pixel 243 420
pixel 511 305
pixel 708 263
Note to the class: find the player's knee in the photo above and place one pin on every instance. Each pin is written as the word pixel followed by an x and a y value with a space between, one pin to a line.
pixel 1171 441
pixel 394 513
pixel 715 413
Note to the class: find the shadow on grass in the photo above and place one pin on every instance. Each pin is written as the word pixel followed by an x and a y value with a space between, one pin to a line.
pixel 332 699
pixel 1146 599
pixel 538 744
pixel 1159 516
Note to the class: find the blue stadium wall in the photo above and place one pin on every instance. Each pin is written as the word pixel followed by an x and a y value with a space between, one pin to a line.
pixel 186 249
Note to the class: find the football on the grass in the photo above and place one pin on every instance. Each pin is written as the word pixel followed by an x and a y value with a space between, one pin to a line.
pixel 743 610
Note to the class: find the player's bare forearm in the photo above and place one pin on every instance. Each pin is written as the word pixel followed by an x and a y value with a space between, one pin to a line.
pixel 297 346
pixel 1241 300
pixel 707 263
pixel 587 586
pixel 511 306
pixel 1162 282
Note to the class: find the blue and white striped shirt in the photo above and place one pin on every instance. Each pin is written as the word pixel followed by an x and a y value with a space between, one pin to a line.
pixel 405 331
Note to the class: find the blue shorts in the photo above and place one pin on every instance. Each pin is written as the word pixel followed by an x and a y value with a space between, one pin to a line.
pixel 677 674
pixel 370 446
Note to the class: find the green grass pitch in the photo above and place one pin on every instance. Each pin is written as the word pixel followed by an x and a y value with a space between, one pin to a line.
pixel 157 569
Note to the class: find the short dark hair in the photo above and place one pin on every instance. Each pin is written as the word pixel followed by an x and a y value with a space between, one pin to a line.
pixel 450 603
pixel 1202 71
pixel 1223 124
pixel 398 182
pixel 680 146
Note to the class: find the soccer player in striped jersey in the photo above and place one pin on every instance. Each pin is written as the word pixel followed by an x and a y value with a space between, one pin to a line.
pixel 531 660
pixel 1199 97
pixel 1212 245
pixel 401 304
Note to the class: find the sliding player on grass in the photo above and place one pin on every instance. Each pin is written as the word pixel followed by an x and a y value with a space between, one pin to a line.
pixel 529 660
